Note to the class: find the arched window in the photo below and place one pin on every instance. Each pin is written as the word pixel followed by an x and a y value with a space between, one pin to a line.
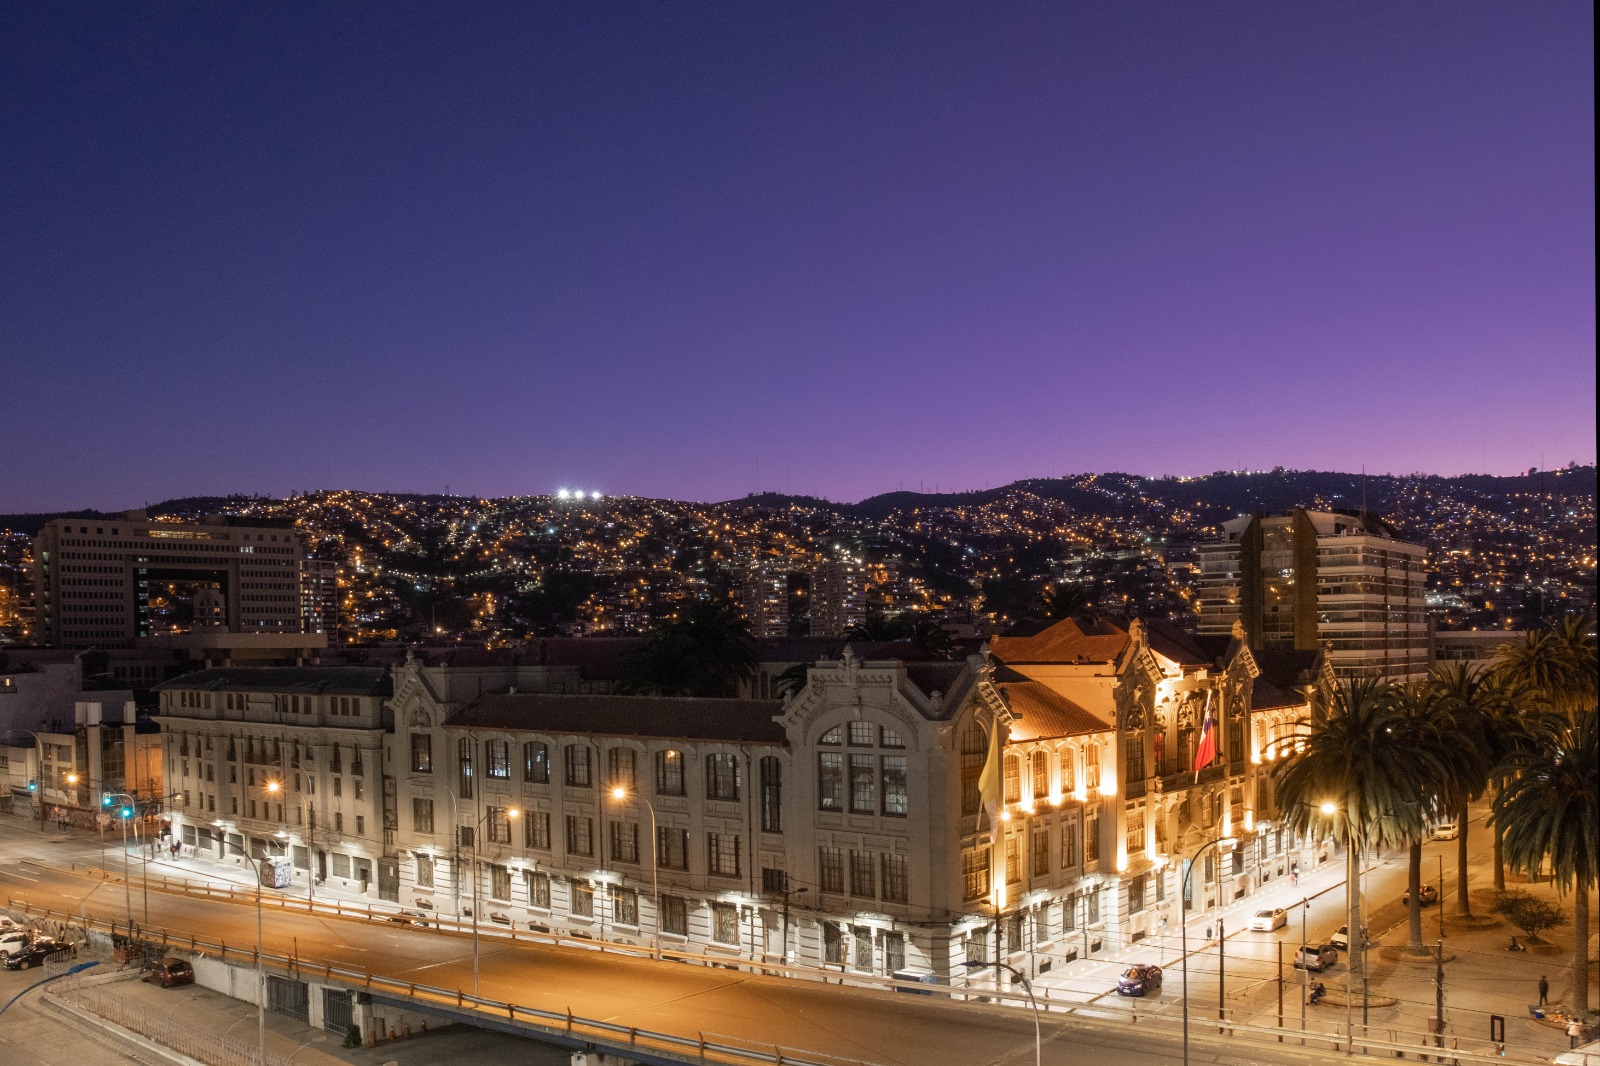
pixel 669 773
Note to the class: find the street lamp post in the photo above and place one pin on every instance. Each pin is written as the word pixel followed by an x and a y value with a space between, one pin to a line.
pixel 1183 930
pixel 620 793
pixel 510 812
pixel 1038 1043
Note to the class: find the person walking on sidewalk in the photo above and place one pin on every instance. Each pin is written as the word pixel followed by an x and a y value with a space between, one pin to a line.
pixel 1574 1033
pixel 1544 991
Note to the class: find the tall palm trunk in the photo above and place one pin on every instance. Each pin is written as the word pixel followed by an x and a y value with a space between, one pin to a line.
pixel 1463 901
pixel 1414 887
pixel 1578 998
pixel 1352 888
pixel 1499 858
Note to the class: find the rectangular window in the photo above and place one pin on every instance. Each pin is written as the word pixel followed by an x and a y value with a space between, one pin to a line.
pixel 675 915
pixel 1136 894
pixel 830 781
pixel 582 898
pixel 832 944
pixel 863 784
pixel 580 835
pixel 538 886
pixel 424 870
pixel 830 866
pixel 894 786
pixel 497 824
pixel 974 873
pixel 862 882
pixel 722 777
pixel 1069 914
pixel 669 773
pixel 724 923
pixel 1135 758
pixel 624 905
pixel 862 935
pixel 1039 845
pixel 499 883
pixel 672 848
pixel 1041 774
pixel 894 879
pixel 621 764
pixel 1135 839
pixel 1013 858
pixel 624 841
pixel 536 763
pixel 464 767
pixel 771 795
pixel 497 759
pixel 579 770
pixel 722 854
pixel 1091 762
pixel 1091 838
pixel 774 882
pixel 894 952
pixel 1013 779
pixel 536 830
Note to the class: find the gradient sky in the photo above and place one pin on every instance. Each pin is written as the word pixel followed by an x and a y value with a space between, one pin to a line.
pixel 700 249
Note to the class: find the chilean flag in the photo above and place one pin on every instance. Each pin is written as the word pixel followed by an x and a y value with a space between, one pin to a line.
pixel 1207 751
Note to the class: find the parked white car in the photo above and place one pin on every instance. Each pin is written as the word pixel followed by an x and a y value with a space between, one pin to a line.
pixel 13 941
pixel 1446 831
pixel 9 924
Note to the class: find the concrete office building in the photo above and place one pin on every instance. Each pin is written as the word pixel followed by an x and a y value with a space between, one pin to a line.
pixel 106 582
pixel 1320 578
pixel 319 597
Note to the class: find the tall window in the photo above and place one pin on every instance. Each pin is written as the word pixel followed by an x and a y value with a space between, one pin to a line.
pixel 497 759
pixel 580 835
pixel 1014 858
pixel 1091 766
pixel 421 814
pixel 832 943
pixel 672 848
pixel 669 773
pixel 536 763
pixel 499 883
pixel 1135 833
pixel 894 785
pixel 1041 774
pixel 1135 748
pixel 863 783
pixel 675 915
pixel 830 781
pixel 973 748
pixel 1091 838
pixel 582 898
pixel 536 830
pixel 497 821
pixel 894 878
pixel 862 881
pixel 1136 894
pixel 1039 846
pixel 722 854
pixel 624 905
pixel 830 867
pixel 863 946
pixel 620 769
pixel 722 776
pixel 771 795
pixel 624 841
pixel 464 766
pixel 1013 779
pixel 421 753
pixel 724 923
pixel 1069 845
pixel 578 766
pixel 974 873
pixel 538 886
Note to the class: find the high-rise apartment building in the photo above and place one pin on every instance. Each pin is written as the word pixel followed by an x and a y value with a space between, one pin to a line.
pixel 319 596
pixel 1320 577
pixel 103 582
pixel 838 598
pixel 777 602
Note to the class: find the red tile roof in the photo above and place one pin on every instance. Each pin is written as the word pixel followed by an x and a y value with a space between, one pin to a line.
pixel 1068 641
pixel 1041 712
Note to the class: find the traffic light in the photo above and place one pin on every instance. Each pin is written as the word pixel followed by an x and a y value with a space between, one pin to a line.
pixel 33 786
pixel 105 801
pixel 127 812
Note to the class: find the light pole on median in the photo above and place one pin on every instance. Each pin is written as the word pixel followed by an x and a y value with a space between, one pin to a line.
pixel 510 813
pixel 619 793
pixel 1038 1044
pixel 1183 929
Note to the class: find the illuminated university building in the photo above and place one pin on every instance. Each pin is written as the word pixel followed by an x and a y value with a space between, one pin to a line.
pixel 1313 579
pixel 842 828
pixel 104 582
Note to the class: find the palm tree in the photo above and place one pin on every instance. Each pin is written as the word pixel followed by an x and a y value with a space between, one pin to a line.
pixel 707 651
pixel 930 637
pixel 1426 725
pixel 1557 661
pixel 1550 810
pixel 1351 780
pixel 792 680
pixel 1065 599
pixel 1482 724
pixel 875 628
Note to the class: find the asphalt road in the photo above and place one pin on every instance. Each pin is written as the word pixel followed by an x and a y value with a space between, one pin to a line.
pixel 849 1023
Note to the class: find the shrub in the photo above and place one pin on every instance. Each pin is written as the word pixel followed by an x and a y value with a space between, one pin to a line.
pixel 1529 913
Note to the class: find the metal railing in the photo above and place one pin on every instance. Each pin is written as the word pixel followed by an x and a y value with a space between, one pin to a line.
pixel 164 1028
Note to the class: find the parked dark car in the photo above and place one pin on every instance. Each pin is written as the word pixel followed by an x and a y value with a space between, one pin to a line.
pixel 170 972
pixel 34 954
pixel 1139 981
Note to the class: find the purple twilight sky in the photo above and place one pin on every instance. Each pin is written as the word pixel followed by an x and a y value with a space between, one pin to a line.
pixel 699 249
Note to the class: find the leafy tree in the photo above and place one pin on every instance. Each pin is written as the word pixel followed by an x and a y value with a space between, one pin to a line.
pixel 1529 913
pixel 875 628
pixel 1065 599
pixel 1348 760
pixel 1550 811
pixel 929 636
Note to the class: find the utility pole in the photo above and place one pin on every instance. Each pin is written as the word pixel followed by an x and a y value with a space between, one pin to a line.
pixel 1222 974
pixel 1280 991
pixel 1438 999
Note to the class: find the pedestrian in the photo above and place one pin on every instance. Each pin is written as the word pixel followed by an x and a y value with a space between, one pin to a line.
pixel 1574 1032
pixel 1544 990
